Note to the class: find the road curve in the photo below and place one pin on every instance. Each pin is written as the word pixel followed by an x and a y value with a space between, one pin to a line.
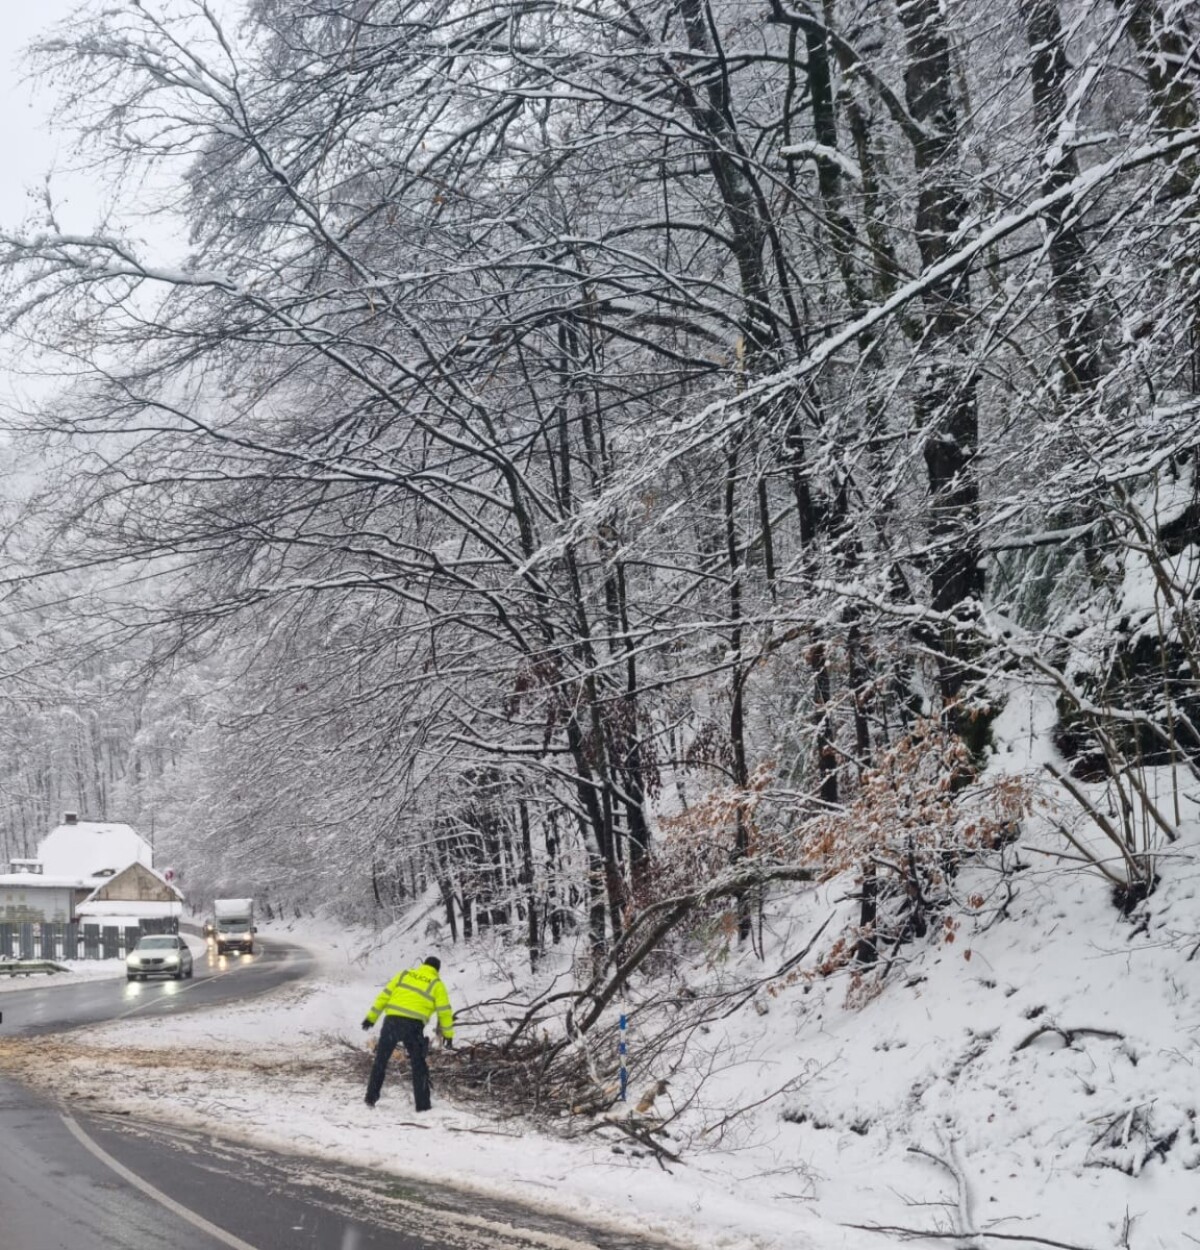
pixel 80 1181
pixel 86 1182
pixel 54 1195
pixel 52 1008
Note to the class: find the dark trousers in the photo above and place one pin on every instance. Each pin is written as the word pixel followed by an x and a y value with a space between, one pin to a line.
pixel 411 1034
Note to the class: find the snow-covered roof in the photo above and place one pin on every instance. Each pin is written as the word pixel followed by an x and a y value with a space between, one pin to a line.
pixel 130 910
pixel 79 851
pixel 39 881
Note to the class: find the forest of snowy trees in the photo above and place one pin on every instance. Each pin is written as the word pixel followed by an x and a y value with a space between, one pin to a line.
pixel 574 455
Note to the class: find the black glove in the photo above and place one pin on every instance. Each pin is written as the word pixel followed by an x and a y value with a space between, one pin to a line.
pixel 367 1025
pixel 447 1043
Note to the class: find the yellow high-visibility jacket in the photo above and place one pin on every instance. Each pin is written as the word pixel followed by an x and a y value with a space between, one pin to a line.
pixel 416 995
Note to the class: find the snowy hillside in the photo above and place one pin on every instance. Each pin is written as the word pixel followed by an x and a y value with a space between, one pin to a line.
pixel 690 509
pixel 1032 1078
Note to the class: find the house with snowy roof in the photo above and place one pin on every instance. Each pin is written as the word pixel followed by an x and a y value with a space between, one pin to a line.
pixel 135 894
pixel 84 864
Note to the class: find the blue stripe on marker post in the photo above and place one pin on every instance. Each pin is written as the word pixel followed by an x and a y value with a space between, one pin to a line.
pixel 622 1052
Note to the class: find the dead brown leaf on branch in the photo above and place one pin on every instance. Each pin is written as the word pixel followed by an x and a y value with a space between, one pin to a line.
pixel 920 814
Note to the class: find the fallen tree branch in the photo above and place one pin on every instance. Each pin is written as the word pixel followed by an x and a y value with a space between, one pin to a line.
pixel 733 1115
pixel 481 1132
pixel 642 1138
pixel 1169 831
pixel 1133 866
pixel 1068 1035
pixel 924 1234
pixel 783 969
pixel 523 1023
pixel 662 917
pixel 964 1208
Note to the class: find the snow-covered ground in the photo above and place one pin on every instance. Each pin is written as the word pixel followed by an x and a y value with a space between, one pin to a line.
pixel 77 970
pixel 1047 1071
pixel 1033 1077
pixel 1033 1058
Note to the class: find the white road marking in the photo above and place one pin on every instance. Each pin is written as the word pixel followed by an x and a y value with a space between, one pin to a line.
pixel 180 988
pixel 193 984
pixel 197 1221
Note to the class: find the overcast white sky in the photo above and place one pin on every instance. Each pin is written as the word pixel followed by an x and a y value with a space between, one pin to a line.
pixel 31 149
pixel 28 149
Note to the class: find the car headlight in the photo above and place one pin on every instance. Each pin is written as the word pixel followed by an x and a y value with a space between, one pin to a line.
pixel 134 961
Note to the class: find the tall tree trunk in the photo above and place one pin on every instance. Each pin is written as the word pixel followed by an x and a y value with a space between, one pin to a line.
pixel 1167 51
pixel 946 406
pixel 1078 331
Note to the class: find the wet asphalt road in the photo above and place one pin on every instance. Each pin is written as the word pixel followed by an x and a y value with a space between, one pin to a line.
pixel 52 1008
pixel 72 1181
pixel 88 1182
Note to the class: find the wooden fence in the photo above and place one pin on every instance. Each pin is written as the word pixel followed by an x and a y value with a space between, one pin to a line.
pixel 76 941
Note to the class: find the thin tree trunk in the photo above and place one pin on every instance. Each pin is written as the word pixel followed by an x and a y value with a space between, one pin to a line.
pixel 737 720
pixel 866 952
pixel 533 938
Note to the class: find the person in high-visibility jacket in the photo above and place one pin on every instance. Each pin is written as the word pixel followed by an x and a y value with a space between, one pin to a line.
pixel 406 1002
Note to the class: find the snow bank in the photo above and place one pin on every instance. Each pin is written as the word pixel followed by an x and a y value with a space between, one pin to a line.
pixel 1034 1076
pixel 274 1071
pixel 77 970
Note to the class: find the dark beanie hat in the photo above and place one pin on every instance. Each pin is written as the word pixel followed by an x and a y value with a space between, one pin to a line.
pixel 435 963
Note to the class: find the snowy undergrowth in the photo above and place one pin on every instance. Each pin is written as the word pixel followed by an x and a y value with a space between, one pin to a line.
pixel 275 1071
pixel 1050 1063
pixel 1035 1076
pixel 1049 1058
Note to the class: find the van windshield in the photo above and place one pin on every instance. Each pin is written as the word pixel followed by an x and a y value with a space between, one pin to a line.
pixel 233 926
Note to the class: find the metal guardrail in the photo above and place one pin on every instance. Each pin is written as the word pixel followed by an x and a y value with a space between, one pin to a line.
pixel 28 967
